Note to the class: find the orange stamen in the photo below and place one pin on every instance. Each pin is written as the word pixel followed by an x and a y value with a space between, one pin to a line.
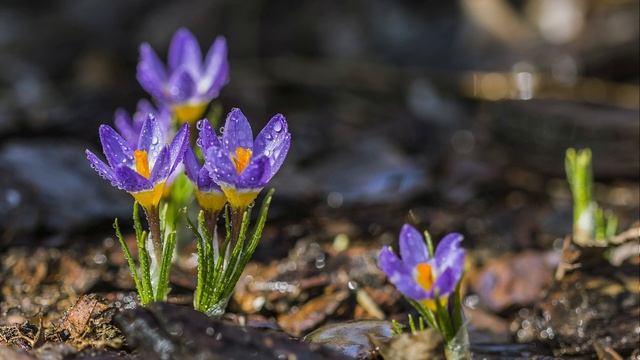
pixel 142 163
pixel 241 159
pixel 424 276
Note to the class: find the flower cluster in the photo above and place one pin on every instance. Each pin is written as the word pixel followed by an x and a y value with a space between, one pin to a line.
pixel 151 148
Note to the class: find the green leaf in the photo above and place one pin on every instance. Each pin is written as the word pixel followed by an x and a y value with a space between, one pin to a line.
pixel 130 262
pixel 425 313
pixel 165 267
pixel 137 226
pixel 444 320
pixel 255 238
pixel 412 325
pixel 427 238
pixel 200 285
pixel 457 309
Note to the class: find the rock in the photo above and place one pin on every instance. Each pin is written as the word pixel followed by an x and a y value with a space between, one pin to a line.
pixel 165 331
pixel 352 338
pixel 49 187
pixel 514 279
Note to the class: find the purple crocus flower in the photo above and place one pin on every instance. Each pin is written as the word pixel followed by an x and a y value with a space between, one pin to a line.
pixel 130 126
pixel 416 275
pixel 141 170
pixel 187 84
pixel 209 194
pixel 242 166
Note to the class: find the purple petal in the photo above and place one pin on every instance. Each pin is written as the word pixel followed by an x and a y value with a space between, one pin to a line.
pixel 448 252
pixel 151 137
pixel 181 86
pixel 151 73
pixel 101 168
pixel 220 167
pixel 447 281
pixel 256 175
pixel 205 181
pixel 273 142
pixel 124 125
pixel 185 51
pixel 191 165
pixel 129 180
pixel 161 167
pixel 178 147
pixel 216 69
pixel 208 136
pixel 115 148
pixel 412 246
pixel 400 275
pixel 143 109
pixel 237 132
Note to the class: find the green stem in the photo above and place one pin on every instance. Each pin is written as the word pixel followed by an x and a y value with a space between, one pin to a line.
pixel 153 218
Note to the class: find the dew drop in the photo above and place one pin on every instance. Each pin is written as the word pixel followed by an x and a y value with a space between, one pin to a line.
pixel 199 125
pixel 154 140
pixel 277 127
pixel 221 129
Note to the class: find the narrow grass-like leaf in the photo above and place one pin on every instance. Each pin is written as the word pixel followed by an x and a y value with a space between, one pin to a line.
pixel 145 269
pixel 201 278
pixel 396 328
pixel 137 226
pixel 132 265
pixel 255 238
pixel 412 325
pixel 165 269
pixel 444 320
pixel 457 309
pixel 425 313
pixel 429 241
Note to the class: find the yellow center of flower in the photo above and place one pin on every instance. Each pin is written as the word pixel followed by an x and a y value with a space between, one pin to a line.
pixel 239 199
pixel 212 201
pixel 424 276
pixel 241 159
pixel 149 198
pixel 189 113
pixel 142 163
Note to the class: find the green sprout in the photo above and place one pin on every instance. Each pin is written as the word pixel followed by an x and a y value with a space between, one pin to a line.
pixel 398 329
pixel 590 222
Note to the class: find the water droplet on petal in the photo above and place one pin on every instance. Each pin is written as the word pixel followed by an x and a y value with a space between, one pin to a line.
pixel 199 125
pixel 221 129
pixel 277 127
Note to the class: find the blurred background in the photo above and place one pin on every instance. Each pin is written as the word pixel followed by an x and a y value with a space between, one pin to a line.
pixel 455 114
